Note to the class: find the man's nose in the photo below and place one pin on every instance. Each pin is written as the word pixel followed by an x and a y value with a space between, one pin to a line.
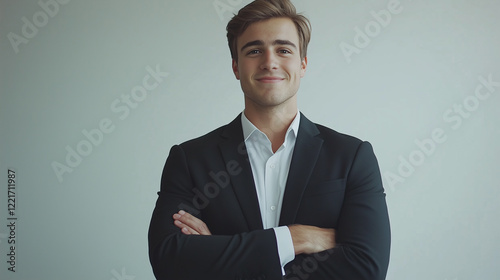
pixel 269 61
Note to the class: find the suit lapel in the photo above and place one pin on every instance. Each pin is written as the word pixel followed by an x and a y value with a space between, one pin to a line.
pixel 233 151
pixel 305 155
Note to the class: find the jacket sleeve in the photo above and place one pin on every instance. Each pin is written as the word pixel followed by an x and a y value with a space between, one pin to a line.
pixel 173 255
pixel 362 233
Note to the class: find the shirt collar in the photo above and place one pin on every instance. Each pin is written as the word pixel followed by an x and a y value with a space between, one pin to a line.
pixel 249 128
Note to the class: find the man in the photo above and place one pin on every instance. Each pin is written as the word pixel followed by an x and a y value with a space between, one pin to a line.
pixel 271 195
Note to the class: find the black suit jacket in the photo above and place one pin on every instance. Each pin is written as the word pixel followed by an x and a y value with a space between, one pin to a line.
pixel 334 182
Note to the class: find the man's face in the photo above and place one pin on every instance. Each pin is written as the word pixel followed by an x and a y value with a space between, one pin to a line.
pixel 269 66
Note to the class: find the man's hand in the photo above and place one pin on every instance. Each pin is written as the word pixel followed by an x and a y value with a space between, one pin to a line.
pixel 310 239
pixel 189 224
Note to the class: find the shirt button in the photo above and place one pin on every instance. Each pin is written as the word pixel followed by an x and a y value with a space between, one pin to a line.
pixel 273 208
pixel 272 166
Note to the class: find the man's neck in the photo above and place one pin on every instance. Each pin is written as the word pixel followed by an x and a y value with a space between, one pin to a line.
pixel 273 122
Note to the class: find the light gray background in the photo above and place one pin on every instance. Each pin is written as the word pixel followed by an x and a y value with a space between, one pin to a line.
pixel 396 90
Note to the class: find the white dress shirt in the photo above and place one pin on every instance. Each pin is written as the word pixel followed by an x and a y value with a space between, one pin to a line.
pixel 270 172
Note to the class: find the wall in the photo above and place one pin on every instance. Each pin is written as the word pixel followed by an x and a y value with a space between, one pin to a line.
pixel 94 94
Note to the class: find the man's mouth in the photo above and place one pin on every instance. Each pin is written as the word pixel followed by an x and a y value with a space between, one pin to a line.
pixel 270 79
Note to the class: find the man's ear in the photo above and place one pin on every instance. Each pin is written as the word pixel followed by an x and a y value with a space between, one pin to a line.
pixel 235 69
pixel 303 67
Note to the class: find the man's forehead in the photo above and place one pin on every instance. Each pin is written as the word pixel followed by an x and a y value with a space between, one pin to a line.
pixel 269 32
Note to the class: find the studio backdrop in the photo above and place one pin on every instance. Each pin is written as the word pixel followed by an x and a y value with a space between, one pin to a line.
pixel 94 93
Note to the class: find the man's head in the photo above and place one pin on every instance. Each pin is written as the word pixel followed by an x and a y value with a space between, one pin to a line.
pixel 268 42
pixel 260 10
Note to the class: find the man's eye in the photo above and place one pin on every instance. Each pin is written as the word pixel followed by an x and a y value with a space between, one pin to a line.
pixel 254 52
pixel 284 51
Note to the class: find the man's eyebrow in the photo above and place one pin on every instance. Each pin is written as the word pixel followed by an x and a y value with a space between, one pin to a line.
pixel 253 43
pixel 261 43
pixel 284 42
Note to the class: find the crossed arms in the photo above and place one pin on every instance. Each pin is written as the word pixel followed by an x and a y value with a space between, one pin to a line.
pixel 182 246
pixel 306 239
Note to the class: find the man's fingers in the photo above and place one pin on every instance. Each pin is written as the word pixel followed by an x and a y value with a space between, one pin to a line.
pixel 190 224
pixel 184 228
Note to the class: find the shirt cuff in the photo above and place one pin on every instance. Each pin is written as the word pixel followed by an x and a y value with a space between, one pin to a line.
pixel 284 241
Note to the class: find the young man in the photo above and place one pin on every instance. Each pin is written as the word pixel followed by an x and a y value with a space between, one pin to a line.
pixel 271 195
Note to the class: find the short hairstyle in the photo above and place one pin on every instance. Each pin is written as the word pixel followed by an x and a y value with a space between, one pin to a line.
pixel 259 10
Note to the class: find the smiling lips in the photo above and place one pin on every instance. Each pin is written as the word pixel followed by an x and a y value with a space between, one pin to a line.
pixel 270 79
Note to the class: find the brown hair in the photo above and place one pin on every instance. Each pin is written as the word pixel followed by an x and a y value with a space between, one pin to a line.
pixel 260 10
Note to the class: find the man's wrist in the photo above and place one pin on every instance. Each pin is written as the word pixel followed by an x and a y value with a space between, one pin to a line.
pixel 299 243
pixel 311 239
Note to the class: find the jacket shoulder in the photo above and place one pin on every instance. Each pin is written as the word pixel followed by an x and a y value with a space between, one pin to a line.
pixel 335 137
